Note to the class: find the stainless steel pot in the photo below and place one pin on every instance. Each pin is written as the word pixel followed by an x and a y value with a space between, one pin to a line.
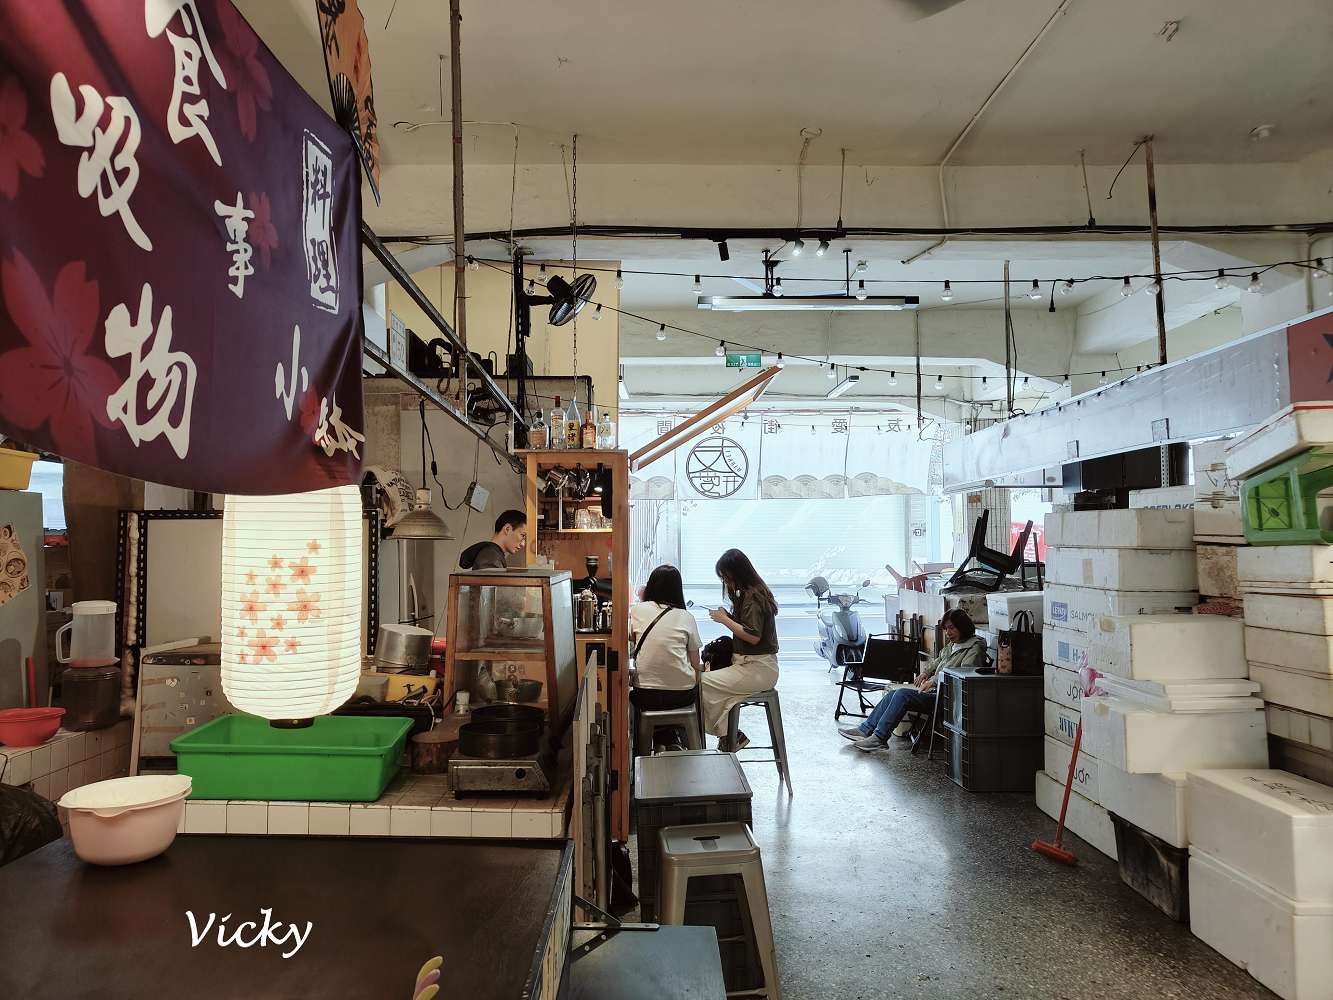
pixel 585 611
pixel 403 646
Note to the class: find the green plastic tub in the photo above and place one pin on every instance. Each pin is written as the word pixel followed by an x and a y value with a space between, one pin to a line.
pixel 337 759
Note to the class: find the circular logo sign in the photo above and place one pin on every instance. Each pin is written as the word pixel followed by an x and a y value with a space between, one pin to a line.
pixel 717 467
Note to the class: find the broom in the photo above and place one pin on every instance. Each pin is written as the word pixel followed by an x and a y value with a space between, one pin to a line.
pixel 1054 851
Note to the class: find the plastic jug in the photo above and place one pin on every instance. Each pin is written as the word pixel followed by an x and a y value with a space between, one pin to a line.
pixel 92 631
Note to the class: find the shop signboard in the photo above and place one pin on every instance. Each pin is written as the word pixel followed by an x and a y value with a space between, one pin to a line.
pixel 749 360
pixel 180 281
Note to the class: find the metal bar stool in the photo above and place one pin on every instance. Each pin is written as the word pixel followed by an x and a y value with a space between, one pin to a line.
pixel 704 852
pixel 773 712
pixel 686 718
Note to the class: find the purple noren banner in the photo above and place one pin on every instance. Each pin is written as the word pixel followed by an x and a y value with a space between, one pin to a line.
pixel 180 279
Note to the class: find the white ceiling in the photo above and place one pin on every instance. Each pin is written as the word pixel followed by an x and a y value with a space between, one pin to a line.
pixel 697 81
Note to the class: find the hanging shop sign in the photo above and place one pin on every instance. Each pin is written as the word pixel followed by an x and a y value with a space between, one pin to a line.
pixel 180 282
pixel 717 467
pixel 342 31
pixel 749 360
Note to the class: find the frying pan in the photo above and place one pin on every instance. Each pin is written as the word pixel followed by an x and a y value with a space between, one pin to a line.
pixel 498 740
pixel 511 714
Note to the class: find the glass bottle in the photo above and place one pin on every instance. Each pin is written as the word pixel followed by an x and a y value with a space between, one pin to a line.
pixel 537 436
pixel 606 431
pixel 589 430
pixel 557 431
pixel 573 424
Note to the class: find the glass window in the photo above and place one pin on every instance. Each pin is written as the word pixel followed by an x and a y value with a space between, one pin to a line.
pixel 48 479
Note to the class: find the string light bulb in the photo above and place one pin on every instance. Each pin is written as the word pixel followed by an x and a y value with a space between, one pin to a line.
pixel 822 248
pixel 777 288
pixel 620 278
pixel 1155 288
pixel 893 379
pixel 472 264
pixel 698 285
pixel 1319 270
pixel 798 247
pixel 861 291
pixel 1065 382
pixel 1256 285
pixel 861 267
pixel 832 372
pixel 597 313
pixel 1066 286
pixel 1034 293
pixel 939 382
pixel 781 363
pixel 1102 380
pixel 721 349
pixel 1125 290
pixel 1221 284
pixel 947 294
pixel 542 276
pixel 661 331
pixel 532 286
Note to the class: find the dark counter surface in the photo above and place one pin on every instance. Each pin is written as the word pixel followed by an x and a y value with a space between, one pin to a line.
pixel 380 908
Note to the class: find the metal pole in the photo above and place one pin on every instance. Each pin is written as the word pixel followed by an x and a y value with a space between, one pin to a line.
pixel 1008 357
pixel 456 102
pixel 1160 304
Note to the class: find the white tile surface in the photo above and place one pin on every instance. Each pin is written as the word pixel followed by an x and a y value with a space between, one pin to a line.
pixel 59 783
pixel 206 817
pixel 369 821
pixel 329 819
pixel 180 827
pixel 492 823
pixel 17 770
pixel 97 741
pixel 59 754
pixel 78 746
pixel 42 786
pixel 76 775
pixel 409 821
pixel 289 818
pixel 41 761
pixel 247 817
pixel 450 822
pixel 533 825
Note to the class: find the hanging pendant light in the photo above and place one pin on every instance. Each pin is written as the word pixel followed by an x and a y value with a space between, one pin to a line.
pixel 422 522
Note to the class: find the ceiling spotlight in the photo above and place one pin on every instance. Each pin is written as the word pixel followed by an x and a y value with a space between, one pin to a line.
pixel 620 278
pixel 893 378
pixel 861 290
pixel 1125 290
pixel 1255 286
pixel 597 313
pixel 1319 270
pixel 777 288
pixel 1066 286
pixel 832 370
pixel 721 349
pixel 698 285
pixel 861 267
pixel 797 247
pixel 939 382
pixel 1034 293
pixel 1155 288
pixel 723 251
pixel 822 248
pixel 947 294
pixel 661 331
pixel 1221 284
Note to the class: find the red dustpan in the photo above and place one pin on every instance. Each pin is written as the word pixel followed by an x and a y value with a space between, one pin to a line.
pixel 1054 851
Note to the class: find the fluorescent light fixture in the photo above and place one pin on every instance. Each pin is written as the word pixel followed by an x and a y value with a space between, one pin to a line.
pixel 807 303
pixel 848 383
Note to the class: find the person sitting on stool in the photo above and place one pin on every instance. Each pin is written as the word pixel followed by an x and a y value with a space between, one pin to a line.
pixel 666 647
pixel 963 650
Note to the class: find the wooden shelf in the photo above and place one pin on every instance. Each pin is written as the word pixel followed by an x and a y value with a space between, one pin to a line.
pixel 528 655
pixel 573 531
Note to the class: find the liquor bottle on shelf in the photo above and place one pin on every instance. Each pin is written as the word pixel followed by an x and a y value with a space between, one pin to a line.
pixel 573 423
pixel 589 430
pixel 556 424
pixel 537 432
pixel 606 431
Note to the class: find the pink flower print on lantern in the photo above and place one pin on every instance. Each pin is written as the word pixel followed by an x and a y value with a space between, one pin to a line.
pixel 291 646
pixel 275 562
pixel 279 623
pixel 305 606
pixel 313 547
pixel 274 585
pixel 301 569
pixel 263 647
pixel 251 606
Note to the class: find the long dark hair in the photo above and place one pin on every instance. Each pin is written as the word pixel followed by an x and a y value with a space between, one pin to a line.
pixel 664 586
pixel 739 576
pixel 962 621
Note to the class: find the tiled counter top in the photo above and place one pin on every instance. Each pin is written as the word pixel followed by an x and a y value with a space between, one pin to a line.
pixel 69 760
pixel 414 805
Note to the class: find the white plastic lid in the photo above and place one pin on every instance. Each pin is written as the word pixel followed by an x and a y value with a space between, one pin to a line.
pixel 128 793
pixel 93 607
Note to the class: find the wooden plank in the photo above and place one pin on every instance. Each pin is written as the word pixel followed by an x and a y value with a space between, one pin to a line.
pixel 728 406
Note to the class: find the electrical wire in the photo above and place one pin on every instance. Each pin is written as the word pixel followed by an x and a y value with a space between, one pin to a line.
pixel 1137 146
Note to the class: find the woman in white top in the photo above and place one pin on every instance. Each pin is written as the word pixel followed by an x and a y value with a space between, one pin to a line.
pixel 666 640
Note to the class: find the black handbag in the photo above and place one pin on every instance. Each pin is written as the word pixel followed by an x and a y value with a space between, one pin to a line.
pixel 718 653
pixel 1020 647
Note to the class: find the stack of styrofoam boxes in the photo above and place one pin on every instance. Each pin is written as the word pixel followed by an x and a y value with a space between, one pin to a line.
pixel 1218 532
pixel 930 608
pixel 1001 610
pixel 1098 563
pixel 1261 882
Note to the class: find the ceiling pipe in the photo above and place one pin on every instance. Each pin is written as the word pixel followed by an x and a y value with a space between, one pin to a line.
pixel 976 117
pixel 456 109
pixel 1160 297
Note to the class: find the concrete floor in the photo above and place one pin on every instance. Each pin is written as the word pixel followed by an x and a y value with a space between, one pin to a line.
pixel 887 880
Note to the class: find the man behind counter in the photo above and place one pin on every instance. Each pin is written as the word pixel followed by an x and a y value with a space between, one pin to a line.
pixel 511 535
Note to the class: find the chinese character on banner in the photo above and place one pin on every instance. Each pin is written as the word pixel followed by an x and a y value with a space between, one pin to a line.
pixel 113 178
pixel 237 220
pixel 771 426
pixel 317 201
pixel 186 118
pixel 663 426
pixel 719 428
pixel 894 425
pixel 840 425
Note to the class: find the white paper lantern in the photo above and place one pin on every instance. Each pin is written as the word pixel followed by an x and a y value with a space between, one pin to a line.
pixel 291 602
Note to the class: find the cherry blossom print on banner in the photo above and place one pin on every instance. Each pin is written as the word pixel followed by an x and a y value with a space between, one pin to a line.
pixel 180 282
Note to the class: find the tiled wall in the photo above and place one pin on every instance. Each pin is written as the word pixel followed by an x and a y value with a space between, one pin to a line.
pixel 69 760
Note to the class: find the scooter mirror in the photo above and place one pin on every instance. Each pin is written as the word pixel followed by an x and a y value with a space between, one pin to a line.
pixel 865 583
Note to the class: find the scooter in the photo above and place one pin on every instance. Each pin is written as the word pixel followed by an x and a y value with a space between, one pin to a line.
pixel 842 637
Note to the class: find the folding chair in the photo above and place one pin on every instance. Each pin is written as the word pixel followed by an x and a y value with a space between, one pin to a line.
pixel 885 659
pixel 986 568
pixel 932 728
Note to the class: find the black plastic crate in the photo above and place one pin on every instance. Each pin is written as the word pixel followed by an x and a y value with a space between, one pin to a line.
pixel 994 763
pixel 993 704
pixel 1156 870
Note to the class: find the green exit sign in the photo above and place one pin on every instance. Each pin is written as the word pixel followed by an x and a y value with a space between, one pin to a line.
pixel 754 360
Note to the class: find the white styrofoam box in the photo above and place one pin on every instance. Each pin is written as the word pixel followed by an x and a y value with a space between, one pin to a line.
pixel 1294 688
pixel 1061 721
pixel 1312 654
pixel 1079 608
pixel 1140 528
pixel 1002 607
pixel 1057 759
pixel 1123 569
pixel 1086 819
pixel 1211 479
pixel 1285 569
pixel 1164 497
pixel 1274 826
pixel 1152 802
pixel 1064 648
pixel 1301 727
pixel 1281 943
pixel 933 606
pixel 1063 686
pixel 1219 519
pixel 1144 742
pixel 1224 695
pixel 1169 647
pixel 1287 432
pixel 1288 613
pixel 1217 570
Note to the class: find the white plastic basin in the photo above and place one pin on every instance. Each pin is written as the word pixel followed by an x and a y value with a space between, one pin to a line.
pixel 126 820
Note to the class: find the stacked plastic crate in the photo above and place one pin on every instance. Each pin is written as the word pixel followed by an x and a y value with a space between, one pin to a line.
pixel 1099 564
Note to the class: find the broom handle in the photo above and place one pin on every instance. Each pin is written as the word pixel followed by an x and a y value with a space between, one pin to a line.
pixel 1069 784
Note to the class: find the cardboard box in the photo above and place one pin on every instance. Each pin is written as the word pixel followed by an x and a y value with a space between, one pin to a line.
pixel 1285 569
pixel 1217 571
pixel 1166 496
pixel 1079 608
pixel 1169 647
pixel 1143 742
pixel 1147 528
pixel 1127 569
pixel 1085 819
